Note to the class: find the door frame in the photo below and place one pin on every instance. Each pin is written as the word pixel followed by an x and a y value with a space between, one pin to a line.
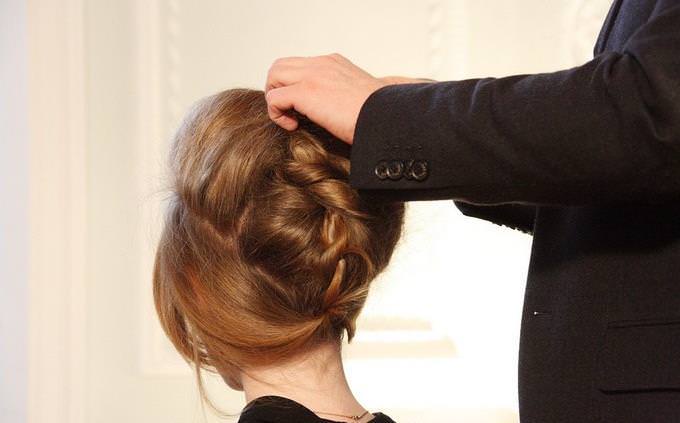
pixel 57 291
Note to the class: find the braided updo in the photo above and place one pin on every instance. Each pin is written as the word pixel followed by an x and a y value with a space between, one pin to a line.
pixel 266 249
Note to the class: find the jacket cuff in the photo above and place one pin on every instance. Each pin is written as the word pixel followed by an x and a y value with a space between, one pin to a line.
pixel 384 154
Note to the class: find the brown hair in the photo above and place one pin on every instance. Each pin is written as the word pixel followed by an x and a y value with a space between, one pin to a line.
pixel 266 249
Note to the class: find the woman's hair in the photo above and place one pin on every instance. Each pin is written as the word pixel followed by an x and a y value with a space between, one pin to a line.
pixel 266 249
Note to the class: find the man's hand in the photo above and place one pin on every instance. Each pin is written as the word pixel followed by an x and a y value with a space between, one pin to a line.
pixel 329 90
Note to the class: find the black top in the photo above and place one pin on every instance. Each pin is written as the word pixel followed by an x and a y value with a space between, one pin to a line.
pixel 276 409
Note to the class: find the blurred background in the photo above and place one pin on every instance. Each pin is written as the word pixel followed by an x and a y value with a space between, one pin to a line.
pixel 90 91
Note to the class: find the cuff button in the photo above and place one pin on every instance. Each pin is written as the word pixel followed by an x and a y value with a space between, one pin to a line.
pixel 419 170
pixel 395 169
pixel 380 170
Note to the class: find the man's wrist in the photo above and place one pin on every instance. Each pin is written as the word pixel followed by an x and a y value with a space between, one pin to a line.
pixel 404 80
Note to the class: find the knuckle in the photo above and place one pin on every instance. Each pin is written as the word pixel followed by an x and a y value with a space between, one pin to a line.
pixel 276 65
pixel 309 84
pixel 329 58
pixel 270 74
pixel 271 96
pixel 338 57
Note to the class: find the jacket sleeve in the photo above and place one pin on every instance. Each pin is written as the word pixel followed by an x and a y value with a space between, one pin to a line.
pixel 607 131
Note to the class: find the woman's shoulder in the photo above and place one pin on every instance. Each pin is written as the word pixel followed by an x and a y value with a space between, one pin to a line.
pixel 278 409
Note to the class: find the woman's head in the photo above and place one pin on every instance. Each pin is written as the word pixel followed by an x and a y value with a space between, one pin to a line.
pixel 266 250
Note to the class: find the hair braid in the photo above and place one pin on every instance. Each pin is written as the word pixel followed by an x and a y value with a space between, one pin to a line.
pixel 266 249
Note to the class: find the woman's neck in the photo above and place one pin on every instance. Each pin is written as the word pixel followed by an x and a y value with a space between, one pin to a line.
pixel 316 381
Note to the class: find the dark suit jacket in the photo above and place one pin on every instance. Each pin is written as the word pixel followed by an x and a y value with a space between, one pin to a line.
pixel 587 161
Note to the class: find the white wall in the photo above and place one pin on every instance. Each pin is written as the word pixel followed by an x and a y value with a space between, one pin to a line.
pixel 14 211
pixel 125 72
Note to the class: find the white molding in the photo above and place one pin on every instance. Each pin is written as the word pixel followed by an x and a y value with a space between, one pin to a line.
pixel 149 135
pixel 583 21
pixel 435 30
pixel 57 341
pixel 448 37
pixel 156 357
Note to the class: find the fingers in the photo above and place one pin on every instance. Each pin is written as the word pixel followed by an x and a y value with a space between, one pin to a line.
pixel 287 71
pixel 291 70
pixel 279 101
pixel 285 81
